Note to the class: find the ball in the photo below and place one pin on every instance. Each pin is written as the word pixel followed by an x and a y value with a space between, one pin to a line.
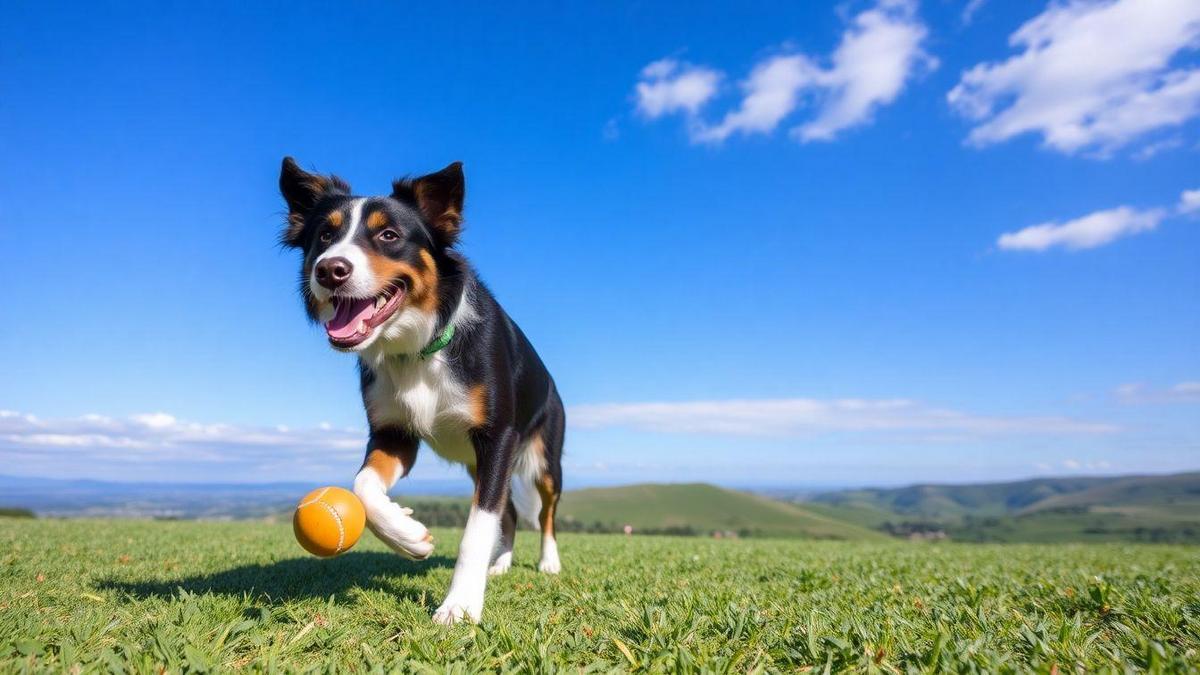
pixel 328 521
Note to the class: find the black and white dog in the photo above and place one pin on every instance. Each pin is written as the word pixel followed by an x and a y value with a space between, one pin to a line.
pixel 440 362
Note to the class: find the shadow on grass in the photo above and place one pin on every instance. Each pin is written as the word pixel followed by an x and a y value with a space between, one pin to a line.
pixel 295 578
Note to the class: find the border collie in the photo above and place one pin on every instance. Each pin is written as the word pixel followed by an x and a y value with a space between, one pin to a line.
pixel 439 361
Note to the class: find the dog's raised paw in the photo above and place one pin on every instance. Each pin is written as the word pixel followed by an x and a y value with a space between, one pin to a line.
pixel 401 532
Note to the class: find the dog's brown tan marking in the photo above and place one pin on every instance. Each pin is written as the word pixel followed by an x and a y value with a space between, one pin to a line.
pixel 376 220
pixel 391 464
pixel 335 218
pixel 479 405
pixel 423 282
pixel 545 485
pixel 545 488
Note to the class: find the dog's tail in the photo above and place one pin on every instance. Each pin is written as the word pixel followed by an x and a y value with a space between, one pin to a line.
pixel 527 469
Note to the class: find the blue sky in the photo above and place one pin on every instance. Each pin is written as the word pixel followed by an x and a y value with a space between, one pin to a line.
pixel 864 242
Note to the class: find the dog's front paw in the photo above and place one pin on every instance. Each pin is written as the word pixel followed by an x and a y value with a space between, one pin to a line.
pixel 404 534
pixel 452 611
pixel 552 566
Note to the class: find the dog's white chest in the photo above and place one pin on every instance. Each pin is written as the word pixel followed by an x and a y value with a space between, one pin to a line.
pixel 424 398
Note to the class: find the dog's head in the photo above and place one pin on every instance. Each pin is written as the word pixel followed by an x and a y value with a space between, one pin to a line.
pixel 370 271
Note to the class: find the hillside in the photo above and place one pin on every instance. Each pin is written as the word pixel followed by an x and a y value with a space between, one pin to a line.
pixel 702 508
pixel 1123 508
pixel 1177 495
pixel 954 501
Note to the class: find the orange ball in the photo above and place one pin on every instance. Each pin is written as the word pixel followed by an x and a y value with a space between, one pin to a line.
pixel 329 521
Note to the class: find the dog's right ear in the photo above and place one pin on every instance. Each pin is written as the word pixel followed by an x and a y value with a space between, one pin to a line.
pixel 302 190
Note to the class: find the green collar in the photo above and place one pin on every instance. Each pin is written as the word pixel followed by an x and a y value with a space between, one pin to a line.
pixel 438 344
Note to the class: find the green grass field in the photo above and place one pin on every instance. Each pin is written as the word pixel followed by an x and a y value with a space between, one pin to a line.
pixel 192 596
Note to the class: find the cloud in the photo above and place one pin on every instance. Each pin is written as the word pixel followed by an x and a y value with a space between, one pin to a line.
pixel 798 416
pixel 1089 75
pixel 970 10
pixel 669 86
pixel 159 445
pixel 878 54
pixel 771 94
pixel 1074 465
pixel 1189 201
pixel 1156 148
pixel 1090 231
pixel 1098 228
pixel 1136 392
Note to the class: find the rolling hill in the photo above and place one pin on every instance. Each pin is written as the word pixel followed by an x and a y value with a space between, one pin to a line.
pixel 1122 508
pixel 954 501
pixel 701 508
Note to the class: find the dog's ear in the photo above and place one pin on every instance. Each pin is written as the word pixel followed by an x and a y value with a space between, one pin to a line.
pixel 439 196
pixel 302 190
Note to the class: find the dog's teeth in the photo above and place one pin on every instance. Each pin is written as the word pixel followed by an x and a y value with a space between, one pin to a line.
pixel 362 327
pixel 380 301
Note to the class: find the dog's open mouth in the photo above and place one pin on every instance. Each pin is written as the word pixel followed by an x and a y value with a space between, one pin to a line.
pixel 355 318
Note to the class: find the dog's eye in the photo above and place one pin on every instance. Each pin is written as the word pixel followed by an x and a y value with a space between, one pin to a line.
pixel 326 237
pixel 388 235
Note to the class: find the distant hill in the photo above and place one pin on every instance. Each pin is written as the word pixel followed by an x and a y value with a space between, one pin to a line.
pixel 1174 495
pixel 1122 508
pixel 701 508
pixel 111 499
pixel 951 501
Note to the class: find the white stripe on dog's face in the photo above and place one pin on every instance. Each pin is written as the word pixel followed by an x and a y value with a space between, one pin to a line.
pixel 361 283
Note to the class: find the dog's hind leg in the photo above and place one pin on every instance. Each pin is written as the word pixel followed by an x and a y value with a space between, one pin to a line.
pixel 390 455
pixel 502 560
pixel 550 482
pixel 549 490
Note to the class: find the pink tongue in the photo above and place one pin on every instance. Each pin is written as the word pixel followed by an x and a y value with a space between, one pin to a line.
pixel 348 314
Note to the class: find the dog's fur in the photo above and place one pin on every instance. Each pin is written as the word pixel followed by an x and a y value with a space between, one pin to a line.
pixel 383 276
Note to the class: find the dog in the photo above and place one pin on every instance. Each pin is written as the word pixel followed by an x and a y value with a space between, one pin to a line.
pixel 439 362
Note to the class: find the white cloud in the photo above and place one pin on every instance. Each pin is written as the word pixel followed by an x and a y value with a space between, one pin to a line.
pixel 1189 201
pixel 669 86
pixel 1090 75
pixel 155 420
pixel 878 54
pixel 789 417
pixel 1072 465
pixel 159 445
pixel 1090 231
pixel 1078 465
pixel 970 10
pixel 771 94
pixel 1156 148
pixel 1187 391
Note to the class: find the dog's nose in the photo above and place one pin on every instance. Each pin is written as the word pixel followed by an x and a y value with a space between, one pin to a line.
pixel 333 272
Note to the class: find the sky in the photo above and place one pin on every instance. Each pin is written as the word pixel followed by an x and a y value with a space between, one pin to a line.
pixel 756 243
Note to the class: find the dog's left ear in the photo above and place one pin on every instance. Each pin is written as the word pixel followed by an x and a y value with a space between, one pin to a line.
pixel 440 198
pixel 302 190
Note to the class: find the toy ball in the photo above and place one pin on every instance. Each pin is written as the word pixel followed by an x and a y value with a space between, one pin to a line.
pixel 329 521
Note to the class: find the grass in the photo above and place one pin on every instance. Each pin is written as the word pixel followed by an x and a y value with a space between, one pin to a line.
pixel 141 596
